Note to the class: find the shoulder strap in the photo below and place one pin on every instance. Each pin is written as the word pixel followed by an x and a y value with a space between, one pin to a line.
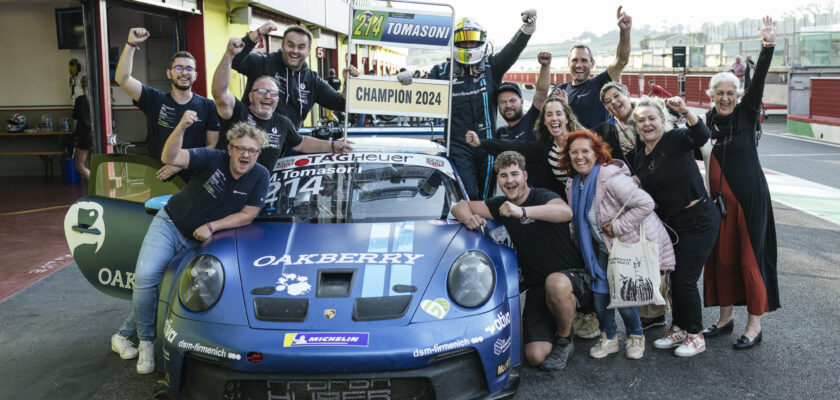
pixel 620 210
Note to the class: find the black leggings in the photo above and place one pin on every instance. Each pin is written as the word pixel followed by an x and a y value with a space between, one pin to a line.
pixel 697 230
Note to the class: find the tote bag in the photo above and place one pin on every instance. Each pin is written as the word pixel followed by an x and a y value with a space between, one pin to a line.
pixel 633 271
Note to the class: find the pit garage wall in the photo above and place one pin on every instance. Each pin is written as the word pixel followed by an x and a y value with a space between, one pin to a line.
pixel 815 107
pixel 35 78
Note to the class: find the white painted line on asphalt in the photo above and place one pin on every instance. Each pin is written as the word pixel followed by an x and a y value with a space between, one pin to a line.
pixel 809 197
pixel 800 138
pixel 802 155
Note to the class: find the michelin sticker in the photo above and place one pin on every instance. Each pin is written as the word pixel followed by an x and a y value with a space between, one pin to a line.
pixel 320 339
pixel 293 284
pixel 84 223
pixel 436 308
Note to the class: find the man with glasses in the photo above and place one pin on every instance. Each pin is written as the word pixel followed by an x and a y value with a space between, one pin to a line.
pixel 227 191
pixel 260 112
pixel 164 110
pixel 300 87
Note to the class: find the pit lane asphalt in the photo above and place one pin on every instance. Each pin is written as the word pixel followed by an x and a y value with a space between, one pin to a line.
pixel 54 337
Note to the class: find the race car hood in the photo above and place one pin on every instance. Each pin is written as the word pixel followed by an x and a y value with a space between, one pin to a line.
pixel 335 276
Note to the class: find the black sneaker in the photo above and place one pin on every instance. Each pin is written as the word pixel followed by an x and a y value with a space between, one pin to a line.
pixel 648 323
pixel 563 348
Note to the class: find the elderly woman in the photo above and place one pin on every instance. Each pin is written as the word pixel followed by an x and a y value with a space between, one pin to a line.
pixel 620 131
pixel 599 189
pixel 742 268
pixel 667 170
pixel 555 121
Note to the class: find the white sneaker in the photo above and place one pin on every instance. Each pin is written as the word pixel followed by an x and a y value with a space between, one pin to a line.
pixel 692 346
pixel 673 338
pixel 604 347
pixel 122 346
pixel 146 362
pixel 634 349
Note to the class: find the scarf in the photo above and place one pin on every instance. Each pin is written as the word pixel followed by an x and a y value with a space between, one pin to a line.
pixel 582 200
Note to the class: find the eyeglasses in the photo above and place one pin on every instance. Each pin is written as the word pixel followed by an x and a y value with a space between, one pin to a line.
pixel 181 68
pixel 263 92
pixel 243 150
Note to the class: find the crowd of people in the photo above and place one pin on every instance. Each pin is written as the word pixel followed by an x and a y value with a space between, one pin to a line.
pixel 582 168
pixel 587 180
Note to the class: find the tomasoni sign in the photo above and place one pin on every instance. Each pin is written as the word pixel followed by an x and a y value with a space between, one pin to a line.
pixel 379 26
pixel 382 95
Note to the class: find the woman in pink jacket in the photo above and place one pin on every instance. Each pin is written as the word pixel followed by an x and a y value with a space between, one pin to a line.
pixel 599 188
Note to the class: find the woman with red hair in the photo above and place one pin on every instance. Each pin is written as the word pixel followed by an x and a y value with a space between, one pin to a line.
pixel 607 203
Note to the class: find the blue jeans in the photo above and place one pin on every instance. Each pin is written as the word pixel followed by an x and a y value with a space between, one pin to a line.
pixel 606 318
pixel 162 243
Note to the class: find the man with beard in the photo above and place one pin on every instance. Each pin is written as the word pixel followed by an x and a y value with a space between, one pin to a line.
pixel 476 75
pixel 582 91
pixel 300 87
pixel 164 110
pixel 509 98
pixel 554 274
pixel 263 98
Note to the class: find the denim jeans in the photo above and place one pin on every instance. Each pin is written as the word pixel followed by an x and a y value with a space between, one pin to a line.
pixel 606 318
pixel 162 243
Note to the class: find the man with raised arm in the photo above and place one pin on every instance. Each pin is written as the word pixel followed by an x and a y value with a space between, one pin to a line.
pixel 537 221
pixel 300 87
pixel 509 97
pixel 164 110
pixel 582 91
pixel 227 191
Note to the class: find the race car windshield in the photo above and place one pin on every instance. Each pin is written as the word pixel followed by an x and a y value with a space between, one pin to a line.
pixel 360 192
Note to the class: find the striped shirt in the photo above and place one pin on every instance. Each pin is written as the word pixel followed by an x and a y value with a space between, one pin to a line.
pixel 553 162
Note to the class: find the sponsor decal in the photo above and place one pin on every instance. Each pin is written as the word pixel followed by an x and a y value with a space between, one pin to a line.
pixel 329 313
pixel 476 340
pixel 501 346
pixel 503 367
pixel 84 223
pixel 337 258
pixel 377 25
pixel 435 162
pixel 442 222
pixel 359 339
pixel 298 173
pixel 116 278
pixel 209 350
pixel 442 348
pixel 436 308
pixel 315 159
pixel 168 332
pixel 293 284
pixel 500 235
pixel 501 322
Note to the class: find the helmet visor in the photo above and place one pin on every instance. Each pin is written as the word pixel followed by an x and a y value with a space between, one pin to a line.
pixel 468 38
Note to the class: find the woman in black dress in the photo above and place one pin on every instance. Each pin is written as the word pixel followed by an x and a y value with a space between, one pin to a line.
pixel 84 131
pixel 742 267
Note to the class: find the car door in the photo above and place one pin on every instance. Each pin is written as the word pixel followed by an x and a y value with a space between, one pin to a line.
pixel 105 229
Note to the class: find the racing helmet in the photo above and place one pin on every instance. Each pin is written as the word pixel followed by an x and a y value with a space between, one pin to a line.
pixel 470 41
pixel 17 123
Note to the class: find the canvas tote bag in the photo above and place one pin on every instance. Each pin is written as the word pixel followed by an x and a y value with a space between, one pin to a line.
pixel 633 271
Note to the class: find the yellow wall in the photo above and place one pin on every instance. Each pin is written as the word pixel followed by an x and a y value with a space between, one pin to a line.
pixel 217 32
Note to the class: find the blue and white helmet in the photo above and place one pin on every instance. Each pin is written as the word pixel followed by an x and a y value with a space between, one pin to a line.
pixel 17 123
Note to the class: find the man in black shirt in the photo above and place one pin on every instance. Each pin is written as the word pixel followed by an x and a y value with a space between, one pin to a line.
pixel 300 87
pixel 164 110
pixel 509 97
pixel 227 191
pixel 583 92
pixel 260 112
pixel 553 274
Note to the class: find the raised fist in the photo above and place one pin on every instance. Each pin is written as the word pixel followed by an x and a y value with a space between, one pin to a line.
pixel 544 58
pixel 472 139
pixel 190 117
pixel 529 16
pixel 137 36
pixel 235 46
pixel 677 104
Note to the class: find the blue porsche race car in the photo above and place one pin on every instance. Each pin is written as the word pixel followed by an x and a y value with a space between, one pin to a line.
pixel 354 282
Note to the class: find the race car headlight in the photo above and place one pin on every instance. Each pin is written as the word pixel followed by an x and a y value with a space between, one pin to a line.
pixel 201 283
pixel 471 279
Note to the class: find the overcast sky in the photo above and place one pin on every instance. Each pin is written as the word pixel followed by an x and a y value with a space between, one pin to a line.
pixel 556 22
